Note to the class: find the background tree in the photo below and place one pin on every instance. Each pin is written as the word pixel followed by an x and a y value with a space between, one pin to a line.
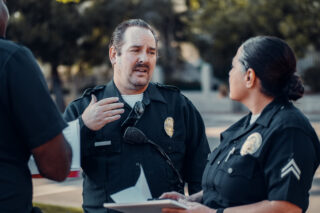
pixel 79 33
pixel 52 31
pixel 220 26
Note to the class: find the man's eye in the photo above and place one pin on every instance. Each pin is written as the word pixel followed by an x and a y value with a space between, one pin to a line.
pixel 135 50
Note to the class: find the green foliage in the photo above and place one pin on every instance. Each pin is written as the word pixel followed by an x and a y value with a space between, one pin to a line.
pixel 311 77
pixel 49 28
pixel 46 208
pixel 220 26
pixel 80 32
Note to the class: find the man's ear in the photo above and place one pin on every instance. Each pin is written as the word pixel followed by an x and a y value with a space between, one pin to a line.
pixel 250 78
pixel 112 55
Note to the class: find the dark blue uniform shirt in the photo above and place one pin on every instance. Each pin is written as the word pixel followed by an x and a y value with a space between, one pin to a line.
pixel 275 158
pixel 115 166
pixel 28 119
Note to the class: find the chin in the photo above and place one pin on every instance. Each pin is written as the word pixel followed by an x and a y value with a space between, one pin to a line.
pixel 232 97
pixel 140 82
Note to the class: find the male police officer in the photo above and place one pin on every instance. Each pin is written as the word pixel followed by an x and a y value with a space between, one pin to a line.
pixel 29 124
pixel 162 113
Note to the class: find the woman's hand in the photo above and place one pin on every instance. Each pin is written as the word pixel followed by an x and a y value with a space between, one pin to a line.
pixel 173 196
pixel 197 197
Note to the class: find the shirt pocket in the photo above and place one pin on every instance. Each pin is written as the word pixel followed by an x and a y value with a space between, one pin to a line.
pixel 235 179
pixel 241 166
pixel 170 146
pixel 176 152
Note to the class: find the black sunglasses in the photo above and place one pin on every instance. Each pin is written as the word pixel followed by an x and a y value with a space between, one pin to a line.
pixel 133 117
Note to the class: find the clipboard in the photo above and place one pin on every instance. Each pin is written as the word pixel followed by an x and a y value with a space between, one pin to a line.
pixel 152 206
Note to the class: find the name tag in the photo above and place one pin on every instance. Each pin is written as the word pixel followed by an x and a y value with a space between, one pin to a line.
pixel 102 143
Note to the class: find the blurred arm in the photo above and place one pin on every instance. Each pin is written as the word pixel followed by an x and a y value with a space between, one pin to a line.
pixel 54 158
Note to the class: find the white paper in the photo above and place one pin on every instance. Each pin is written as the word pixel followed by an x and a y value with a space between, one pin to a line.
pixel 72 135
pixel 137 193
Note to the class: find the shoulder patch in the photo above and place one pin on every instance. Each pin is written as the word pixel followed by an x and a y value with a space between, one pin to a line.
pixel 90 91
pixel 169 87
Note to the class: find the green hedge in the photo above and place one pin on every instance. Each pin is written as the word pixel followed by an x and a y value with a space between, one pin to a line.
pixel 46 208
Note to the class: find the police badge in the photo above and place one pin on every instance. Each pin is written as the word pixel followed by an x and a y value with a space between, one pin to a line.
pixel 252 144
pixel 169 126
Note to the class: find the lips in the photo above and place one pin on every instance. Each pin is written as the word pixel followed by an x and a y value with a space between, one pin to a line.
pixel 141 68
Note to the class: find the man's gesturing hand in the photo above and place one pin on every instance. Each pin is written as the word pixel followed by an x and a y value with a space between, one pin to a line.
pixel 98 114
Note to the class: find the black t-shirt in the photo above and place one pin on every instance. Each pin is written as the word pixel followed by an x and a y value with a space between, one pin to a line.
pixel 28 119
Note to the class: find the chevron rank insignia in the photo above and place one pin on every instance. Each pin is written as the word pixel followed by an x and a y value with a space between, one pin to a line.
pixel 291 167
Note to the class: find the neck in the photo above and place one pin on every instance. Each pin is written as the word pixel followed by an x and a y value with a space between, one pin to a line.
pixel 257 103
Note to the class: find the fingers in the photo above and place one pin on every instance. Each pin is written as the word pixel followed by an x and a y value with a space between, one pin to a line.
pixel 172 195
pixel 112 113
pixel 111 119
pixel 109 107
pixel 167 210
pixel 188 203
pixel 100 113
pixel 107 101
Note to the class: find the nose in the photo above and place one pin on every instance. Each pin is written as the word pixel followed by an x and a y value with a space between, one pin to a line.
pixel 143 57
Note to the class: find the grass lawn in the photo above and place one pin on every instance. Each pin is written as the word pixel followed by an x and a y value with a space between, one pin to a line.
pixel 46 208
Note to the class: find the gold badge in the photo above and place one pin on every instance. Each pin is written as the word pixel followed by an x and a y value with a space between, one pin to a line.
pixel 168 126
pixel 252 144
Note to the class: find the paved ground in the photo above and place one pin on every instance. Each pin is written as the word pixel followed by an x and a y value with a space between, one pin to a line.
pixel 217 117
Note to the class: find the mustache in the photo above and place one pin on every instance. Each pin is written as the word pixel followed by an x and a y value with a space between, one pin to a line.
pixel 137 65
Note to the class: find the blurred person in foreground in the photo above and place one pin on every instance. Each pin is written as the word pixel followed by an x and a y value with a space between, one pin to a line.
pixel 266 161
pixel 29 124
pixel 161 112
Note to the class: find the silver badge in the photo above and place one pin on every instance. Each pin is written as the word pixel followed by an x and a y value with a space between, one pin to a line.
pixel 252 144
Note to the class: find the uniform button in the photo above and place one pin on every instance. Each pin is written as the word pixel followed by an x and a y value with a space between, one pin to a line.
pixel 230 170
pixel 218 162
pixel 282 108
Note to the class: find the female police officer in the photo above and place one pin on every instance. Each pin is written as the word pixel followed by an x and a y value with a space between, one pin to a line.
pixel 266 161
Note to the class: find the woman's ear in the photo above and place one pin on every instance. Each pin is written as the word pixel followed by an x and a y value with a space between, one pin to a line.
pixel 250 78
pixel 112 55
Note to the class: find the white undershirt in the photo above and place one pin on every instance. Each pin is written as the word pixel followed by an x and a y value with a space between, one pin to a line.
pixel 254 118
pixel 132 99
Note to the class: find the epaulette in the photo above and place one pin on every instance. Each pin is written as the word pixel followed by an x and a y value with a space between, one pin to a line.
pixel 169 87
pixel 89 91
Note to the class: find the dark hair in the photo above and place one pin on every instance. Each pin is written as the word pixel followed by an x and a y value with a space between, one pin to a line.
pixel 274 63
pixel 117 35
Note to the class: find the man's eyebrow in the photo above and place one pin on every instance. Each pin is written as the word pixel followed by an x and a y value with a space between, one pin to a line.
pixel 135 46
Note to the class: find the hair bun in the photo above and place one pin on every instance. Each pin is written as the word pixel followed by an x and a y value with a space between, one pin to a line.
pixel 294 89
